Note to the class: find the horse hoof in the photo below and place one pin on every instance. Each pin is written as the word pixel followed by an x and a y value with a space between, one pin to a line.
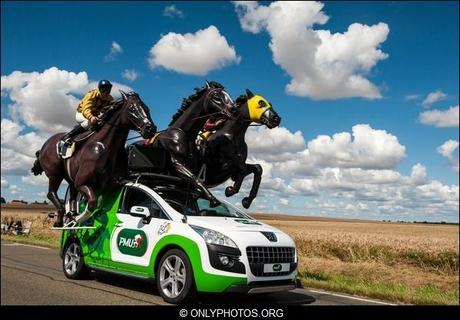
pixel 246 202
pixel 58 224
pixel 214 203
pixel 229 191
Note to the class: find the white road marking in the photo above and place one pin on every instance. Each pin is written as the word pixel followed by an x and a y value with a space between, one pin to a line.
pixel 350 297
pixel 25 245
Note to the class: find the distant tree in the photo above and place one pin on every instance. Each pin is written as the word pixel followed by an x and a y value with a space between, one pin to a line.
pixel 2 200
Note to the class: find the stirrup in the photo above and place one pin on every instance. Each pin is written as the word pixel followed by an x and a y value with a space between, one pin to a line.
pixel 65 149
pixel 81 218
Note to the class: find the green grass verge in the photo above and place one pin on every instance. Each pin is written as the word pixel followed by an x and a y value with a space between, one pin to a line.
pixel 49 242
pixel 393 292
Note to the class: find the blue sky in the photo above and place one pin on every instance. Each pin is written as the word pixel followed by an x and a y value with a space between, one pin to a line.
pixel 418 52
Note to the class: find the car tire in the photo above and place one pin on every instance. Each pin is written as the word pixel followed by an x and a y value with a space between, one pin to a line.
pixel 72 262
pixel 174 277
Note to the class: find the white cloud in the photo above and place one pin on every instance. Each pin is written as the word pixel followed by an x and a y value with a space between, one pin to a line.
pixel 370 148
pixel 47 101
pixel 323 65
pixel 130 74
pixel 418 174
pixel 172 11
pixel 5 183
pixel 40 180
pixel 441 118
pixel 26 144
pixel 115 51
pixel 346 174
pixel 284 201
pixel 365 148
pixel 433 97
pixel 44 101
pixel 263 141
pixel 14 163
pixel 447 149
pixel 193 53
pixel 14 189
pixel 411 97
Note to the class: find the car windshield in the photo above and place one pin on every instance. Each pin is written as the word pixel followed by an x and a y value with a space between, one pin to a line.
pixel 191 204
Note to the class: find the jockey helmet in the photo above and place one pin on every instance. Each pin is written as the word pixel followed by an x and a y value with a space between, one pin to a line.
pixel 105 85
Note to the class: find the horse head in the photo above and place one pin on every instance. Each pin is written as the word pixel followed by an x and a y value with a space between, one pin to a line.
pixel 136 115
pixel 217 99
pixel 260 110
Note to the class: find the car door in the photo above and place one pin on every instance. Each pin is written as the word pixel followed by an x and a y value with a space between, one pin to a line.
pixel 134 237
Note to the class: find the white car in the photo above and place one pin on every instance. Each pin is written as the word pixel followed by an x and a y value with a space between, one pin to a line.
pixel 160 229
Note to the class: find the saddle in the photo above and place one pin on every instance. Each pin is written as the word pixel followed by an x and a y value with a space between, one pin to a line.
pixel 68 151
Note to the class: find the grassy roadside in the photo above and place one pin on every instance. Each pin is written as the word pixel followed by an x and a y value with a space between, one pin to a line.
pixel 394 292
pixel 34 240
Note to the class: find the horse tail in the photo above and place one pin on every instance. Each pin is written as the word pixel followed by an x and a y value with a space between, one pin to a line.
pixel 37 168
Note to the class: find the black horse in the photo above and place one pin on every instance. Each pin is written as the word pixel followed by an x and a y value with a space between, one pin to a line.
pixel 179 138
pixel 226 150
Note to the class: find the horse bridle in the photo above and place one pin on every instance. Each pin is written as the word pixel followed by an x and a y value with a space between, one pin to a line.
pixel 225 110
pixel 138 122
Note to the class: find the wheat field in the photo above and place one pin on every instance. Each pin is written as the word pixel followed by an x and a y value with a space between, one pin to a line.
pixel 405 256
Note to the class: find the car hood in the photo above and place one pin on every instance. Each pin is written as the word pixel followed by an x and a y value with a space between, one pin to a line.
pixel 227 224
pixel 244 232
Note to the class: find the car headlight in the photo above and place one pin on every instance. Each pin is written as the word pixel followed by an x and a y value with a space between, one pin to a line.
pixel 214 237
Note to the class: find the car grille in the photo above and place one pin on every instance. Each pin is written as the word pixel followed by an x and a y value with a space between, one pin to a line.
pixel 258 256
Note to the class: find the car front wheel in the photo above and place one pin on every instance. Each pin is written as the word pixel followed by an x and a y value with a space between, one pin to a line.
pixel 72 262
pixel 175 277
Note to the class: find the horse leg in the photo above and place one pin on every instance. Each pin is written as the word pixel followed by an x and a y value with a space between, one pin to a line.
pixel 53 186
pixel 256 169
pixel 231 190
pixel 73 200
pixel 182 170
pixel 89 193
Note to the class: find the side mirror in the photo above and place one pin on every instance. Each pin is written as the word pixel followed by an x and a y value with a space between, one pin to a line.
pixel 138 211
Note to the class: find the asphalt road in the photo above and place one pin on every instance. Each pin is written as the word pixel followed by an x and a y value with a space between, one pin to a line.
pixel 32 275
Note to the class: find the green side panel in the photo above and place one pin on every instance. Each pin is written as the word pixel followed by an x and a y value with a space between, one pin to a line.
pixel 205 282
pixel 96 242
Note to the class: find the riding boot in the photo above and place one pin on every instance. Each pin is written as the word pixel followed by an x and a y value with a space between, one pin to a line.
pixel 66 140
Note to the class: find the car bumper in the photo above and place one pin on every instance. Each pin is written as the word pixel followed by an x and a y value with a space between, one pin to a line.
pixel 263 287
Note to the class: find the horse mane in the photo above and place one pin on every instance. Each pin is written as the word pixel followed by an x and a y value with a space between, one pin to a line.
pixel 187 102
pixel 242 99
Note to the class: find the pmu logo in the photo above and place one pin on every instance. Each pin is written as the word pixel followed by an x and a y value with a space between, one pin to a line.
pixel 277 267
pixel 132 242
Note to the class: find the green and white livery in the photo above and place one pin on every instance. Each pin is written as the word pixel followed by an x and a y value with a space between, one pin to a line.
pixel 163 231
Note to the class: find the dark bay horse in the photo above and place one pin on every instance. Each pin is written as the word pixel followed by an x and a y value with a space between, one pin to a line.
pixel 101 160
pixel 226 150
pixel 179 138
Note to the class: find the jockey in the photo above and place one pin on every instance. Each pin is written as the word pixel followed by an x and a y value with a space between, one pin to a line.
pixel 92 102
pixel 211 126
